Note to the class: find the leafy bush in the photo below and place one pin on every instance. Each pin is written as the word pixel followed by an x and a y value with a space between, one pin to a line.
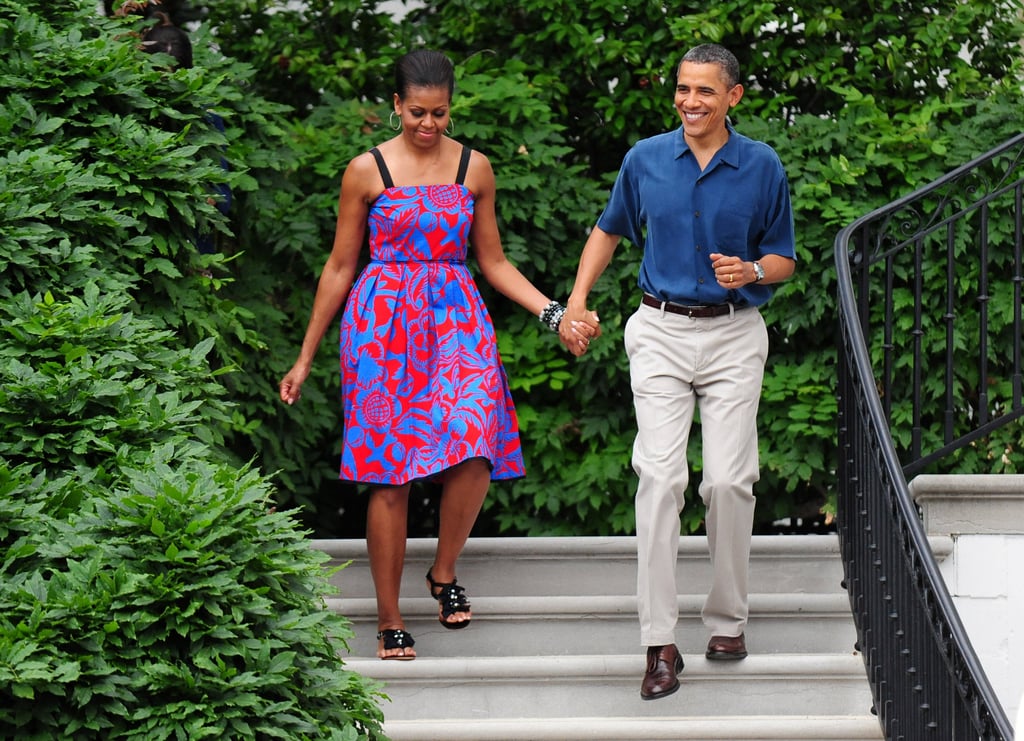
pixel 147 588
pixel 166 603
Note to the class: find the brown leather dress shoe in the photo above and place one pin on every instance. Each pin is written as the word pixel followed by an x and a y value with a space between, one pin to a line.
pixel 663 666
pixel 727 648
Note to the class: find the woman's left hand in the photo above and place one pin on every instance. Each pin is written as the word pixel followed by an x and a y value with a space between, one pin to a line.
pixel 576 334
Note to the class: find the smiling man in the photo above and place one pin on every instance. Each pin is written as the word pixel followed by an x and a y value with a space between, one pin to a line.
pixel 710 208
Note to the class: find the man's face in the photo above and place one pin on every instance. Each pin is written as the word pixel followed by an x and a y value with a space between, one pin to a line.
pixel 703 99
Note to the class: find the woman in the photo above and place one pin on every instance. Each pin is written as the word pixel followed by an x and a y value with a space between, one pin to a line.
pixel 425 394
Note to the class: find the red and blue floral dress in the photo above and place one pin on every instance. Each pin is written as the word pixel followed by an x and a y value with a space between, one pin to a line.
pixel 423 386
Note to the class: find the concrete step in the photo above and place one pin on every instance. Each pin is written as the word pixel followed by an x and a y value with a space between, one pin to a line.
pixel 546 625
pixel 553 651
pixel 673 728
pixel 592 565
pixel 488 688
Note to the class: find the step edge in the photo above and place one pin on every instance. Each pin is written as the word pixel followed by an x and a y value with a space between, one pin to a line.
pixel 597 666
pixel 667 727
pixel 796 604
pixel 584 545
pixel 604 547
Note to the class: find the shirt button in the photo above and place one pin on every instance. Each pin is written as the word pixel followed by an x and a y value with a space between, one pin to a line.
pixel 696 214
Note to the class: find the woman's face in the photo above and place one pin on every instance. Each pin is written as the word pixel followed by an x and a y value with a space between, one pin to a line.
pixel 425 113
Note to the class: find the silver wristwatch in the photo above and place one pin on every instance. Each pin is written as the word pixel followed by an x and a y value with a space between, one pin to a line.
pixel 758 272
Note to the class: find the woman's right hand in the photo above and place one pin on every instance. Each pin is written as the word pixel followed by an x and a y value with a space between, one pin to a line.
pixel 291 385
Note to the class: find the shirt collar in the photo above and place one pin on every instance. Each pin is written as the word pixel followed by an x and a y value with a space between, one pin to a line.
pixel 729 153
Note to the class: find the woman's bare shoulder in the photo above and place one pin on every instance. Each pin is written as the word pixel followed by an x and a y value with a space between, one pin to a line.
pixel 362 177
pixel 362 165
pixel 480 175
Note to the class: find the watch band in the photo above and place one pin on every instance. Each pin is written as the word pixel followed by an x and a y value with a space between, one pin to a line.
pixel 758 272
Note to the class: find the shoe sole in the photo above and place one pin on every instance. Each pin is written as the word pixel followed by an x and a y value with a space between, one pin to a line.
pixel 724 656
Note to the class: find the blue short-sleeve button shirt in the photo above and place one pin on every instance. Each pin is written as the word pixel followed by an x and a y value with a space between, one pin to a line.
pixel 663 203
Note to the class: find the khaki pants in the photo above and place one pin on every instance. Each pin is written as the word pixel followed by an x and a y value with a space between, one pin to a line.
pixel 679 365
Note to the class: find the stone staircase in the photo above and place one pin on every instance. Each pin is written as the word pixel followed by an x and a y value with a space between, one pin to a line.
pixel 553 651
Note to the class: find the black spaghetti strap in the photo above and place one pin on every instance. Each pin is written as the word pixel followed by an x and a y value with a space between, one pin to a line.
pixel 385 175
pixel 463 165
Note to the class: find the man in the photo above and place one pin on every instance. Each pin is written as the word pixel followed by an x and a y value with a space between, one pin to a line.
pixel 711 211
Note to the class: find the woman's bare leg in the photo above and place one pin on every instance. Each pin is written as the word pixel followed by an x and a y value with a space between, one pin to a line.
pixel 462 496
pixel 387 516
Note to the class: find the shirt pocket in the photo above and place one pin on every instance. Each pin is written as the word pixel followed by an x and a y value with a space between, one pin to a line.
pixel 734 231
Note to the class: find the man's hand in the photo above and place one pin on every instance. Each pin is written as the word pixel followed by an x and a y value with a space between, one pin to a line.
pixel 731 271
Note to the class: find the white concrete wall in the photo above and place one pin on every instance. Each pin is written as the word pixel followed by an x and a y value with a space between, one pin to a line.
pixel 985 579
pixel 985 572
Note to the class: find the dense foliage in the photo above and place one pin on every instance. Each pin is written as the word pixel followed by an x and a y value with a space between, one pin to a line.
pixel 863 105
pixel 148 589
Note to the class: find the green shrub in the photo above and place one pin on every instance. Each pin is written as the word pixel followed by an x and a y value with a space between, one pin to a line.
pixel 147 588
pixel 172 606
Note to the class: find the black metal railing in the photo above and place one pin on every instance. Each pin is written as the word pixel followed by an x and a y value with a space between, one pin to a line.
pixel 929 363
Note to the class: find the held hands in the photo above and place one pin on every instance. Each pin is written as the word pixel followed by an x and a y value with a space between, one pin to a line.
pixel 577 329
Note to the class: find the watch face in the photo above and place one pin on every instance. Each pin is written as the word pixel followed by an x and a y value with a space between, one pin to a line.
pixel 758 271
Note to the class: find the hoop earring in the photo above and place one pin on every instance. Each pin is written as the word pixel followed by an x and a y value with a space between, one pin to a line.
pixel 450 128
pixel 395 125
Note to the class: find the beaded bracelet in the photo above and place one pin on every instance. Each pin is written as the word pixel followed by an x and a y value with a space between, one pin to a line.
pixel 551 315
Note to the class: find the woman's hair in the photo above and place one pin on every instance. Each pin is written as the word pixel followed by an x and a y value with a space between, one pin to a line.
pixel 424 68
pixel 167 38
pixel 714 54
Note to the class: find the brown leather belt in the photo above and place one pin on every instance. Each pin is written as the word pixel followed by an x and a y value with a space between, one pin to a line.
pixel 698 312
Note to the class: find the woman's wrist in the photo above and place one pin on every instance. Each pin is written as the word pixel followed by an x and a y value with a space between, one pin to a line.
pixel 551 315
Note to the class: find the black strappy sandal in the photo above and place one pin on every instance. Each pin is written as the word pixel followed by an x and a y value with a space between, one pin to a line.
pixel 396 638
pixel 452 599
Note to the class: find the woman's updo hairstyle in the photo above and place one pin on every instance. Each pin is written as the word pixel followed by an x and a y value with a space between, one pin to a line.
pixel 424 68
